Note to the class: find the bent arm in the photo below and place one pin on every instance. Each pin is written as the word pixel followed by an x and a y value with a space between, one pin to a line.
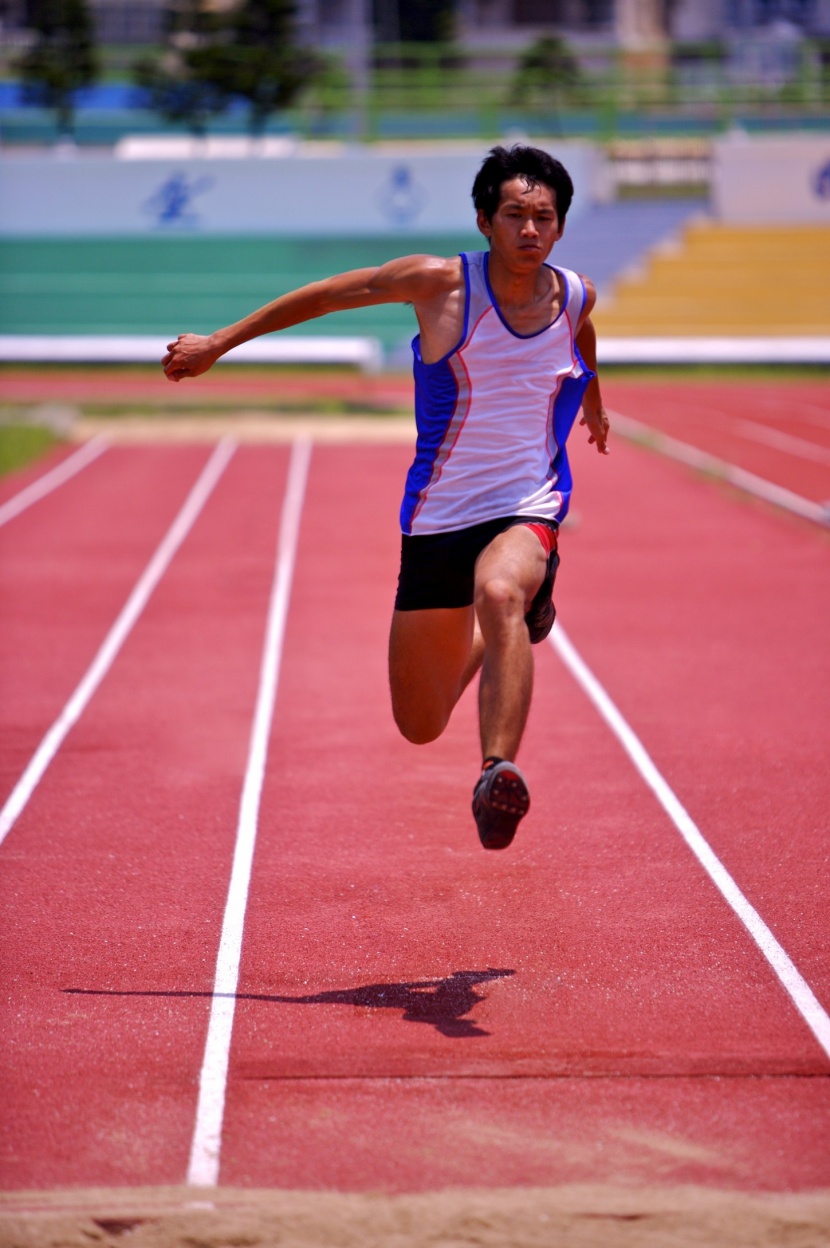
pixel 593 412
pixel 411 279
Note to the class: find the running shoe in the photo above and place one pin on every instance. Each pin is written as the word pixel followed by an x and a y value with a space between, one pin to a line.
pixel 500 800
pixel 542 613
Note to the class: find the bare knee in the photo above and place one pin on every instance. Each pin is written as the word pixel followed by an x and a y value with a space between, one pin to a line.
pixel 429 652
pixel 498 599
pixel 416 724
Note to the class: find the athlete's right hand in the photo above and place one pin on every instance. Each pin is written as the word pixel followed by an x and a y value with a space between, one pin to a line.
pixel 188 356
pixel 598 424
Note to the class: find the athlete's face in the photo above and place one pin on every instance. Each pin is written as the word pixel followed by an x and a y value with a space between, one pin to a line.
pixel 526 223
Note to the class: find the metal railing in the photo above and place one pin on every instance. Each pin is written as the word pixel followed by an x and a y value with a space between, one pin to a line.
pixel 444 91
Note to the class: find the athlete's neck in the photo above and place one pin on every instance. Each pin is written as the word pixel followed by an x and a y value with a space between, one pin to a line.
pixel 520 288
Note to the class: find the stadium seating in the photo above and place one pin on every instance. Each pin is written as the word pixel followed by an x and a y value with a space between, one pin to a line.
pixel 725 280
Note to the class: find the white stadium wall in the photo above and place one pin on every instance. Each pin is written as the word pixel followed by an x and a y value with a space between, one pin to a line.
pixel 772 180
pixel 353 192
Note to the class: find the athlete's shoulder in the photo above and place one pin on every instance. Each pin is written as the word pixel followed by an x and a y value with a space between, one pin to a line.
pixel 442 270
pixel 419 278
pixel 581 292
pixel 571 274
pixel 590 294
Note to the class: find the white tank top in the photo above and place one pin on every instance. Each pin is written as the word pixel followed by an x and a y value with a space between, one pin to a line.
pixel 494 414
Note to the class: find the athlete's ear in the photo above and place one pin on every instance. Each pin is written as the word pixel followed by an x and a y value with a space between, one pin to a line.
pixel 483 224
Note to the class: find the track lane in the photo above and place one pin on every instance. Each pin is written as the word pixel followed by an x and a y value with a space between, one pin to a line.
pixel 391 965
pixel 733 625
pixel 666 1053
pixel 203 1167
pixel 67 566
pixel 114 877
pixel 13 483
pixel 116 636
pixel 20 497
pixel 790 978
pixel 714 417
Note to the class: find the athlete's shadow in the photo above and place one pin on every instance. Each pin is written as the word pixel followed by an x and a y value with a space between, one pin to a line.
pixel 440 1002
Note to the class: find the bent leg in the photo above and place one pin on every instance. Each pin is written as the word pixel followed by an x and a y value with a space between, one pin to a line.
pixel 433 656
pixel 508 574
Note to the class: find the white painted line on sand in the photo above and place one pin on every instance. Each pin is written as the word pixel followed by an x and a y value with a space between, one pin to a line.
pixel 50 481
pixel 778 495
pixel 117 635
pixel 788 975
pixel 205 1151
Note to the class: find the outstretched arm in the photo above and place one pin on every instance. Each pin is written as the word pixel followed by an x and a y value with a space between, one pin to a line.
pixel 593 412
pixel 411 279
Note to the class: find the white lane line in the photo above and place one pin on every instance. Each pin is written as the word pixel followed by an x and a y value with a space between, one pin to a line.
pixel 790 978
pixel 806 413
pixel 759 487
pixel 788 443
pixel 51 480
pixel 816 415
pixel 117 635
pixel 205 1150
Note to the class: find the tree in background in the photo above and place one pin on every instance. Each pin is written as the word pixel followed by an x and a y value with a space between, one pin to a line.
pixel 426 21
pixel 544 73
pixel 61 60
pixel 181 83
pixel 216 53
pixel 260 60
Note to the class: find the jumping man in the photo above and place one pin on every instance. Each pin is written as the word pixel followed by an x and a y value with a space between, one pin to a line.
pixel 505 359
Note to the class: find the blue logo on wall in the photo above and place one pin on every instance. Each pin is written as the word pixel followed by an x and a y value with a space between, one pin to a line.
pixel 401 198
pixel 171 205
pixel 822 182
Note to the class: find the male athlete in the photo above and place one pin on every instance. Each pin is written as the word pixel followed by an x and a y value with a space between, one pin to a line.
pixel 505 358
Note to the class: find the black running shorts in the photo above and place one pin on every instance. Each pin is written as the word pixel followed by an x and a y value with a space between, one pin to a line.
pixel 438 569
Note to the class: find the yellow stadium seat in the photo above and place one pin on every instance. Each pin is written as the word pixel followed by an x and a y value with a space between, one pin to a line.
pixel 726 280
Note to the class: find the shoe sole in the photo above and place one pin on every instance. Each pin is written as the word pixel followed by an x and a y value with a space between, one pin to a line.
pixel 499 811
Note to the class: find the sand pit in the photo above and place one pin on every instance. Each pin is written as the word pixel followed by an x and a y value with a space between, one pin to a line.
pixel 566 1217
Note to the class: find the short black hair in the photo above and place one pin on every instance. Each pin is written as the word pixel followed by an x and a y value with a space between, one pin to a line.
pixel 531 163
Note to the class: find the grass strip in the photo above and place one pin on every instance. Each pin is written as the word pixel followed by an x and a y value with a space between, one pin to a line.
pixel 21 444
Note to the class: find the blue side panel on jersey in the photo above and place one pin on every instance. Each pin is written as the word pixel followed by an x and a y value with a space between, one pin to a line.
pixel 565 410
pixel 436 394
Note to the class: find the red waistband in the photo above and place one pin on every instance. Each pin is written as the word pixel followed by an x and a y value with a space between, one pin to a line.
pixel 545 534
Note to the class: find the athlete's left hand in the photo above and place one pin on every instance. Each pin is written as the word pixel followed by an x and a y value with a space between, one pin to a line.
pixel 598 426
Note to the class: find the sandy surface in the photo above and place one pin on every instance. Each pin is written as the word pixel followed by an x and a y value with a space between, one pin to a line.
pixel 566 1217
pixel 247 427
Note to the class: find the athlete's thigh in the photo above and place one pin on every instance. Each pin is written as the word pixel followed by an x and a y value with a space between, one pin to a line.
pixel 516 556
pixel 429 652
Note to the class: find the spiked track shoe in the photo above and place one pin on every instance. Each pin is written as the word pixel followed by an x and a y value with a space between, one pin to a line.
pixel 500 801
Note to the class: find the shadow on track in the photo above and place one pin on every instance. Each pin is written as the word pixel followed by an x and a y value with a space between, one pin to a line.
pixel 442 1003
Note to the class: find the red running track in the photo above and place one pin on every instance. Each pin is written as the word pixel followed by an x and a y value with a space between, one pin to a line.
pixel 412 1012
pixel 778 430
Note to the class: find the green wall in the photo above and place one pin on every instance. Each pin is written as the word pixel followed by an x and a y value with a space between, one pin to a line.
pixel 172 285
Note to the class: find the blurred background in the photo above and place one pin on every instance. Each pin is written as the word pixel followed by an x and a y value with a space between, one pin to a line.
pixel 169 166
